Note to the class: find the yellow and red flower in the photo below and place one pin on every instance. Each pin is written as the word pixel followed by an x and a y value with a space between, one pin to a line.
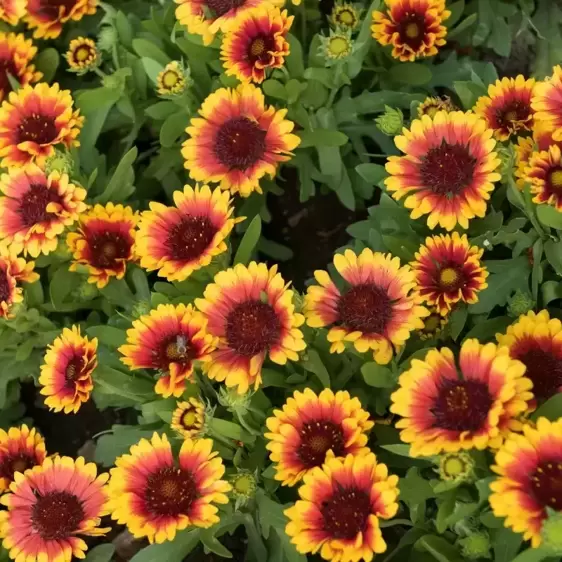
pixel 312 428
pixel 11 11
pixel 536 341
pixel 448 270
pixel 16 54
pixel 414 28
pixel 447 407
pixel 430 106
pixel 340 509
pixel 507 107
pixel 156 495
pixel 12 271
pixel 179 240
pixel 208 17
pixel 188 419
pixel 237 140
pixel 345 16
pixel 66 374
pixel 172 80
pixel 168 339
pixel 547 103
pixel 376 310
pixel 35 119
pixel 20 448
pixel 530 472
pixel 104 242
pixel 448 170
pixel 46 17
pixel 35 209
pixel 250 310
pixel 544 174
pixel 257 42
pixel 82 55
pixel 50 506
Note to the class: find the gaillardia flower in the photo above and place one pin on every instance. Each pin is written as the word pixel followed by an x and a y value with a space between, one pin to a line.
pixel 433 324
pixel 250 309
pixel 376 310
pixel 237 140
pixel 430 106
pixel 507 107
pixel 46 17
pixel 345 16
pixel 312 428
pixel 536 341
pixel 530 472
pixel 456 467
pixel 20 448
pixel 13 270
pixel 188 419
pixel 16 54
pixel 447 407
pixel 168 339
pixel 257 42
pixel 413 27
pixel 179 240
pixel 544 174
pixel 208 17
pixel 49 506
pixel 35 119
pixel 172 80
pixel 104 242
pixel 156 495
pixel 340 509
pixel 82 55
pixel 336 47
pixel 547 103
pixel 448 170
pixel 448 270
pixel 11 11
pixel 66 374
pixel 35 209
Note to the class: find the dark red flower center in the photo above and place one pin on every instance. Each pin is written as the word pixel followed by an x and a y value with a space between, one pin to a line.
pixel 5 289
pixel 547 484
pixel 189 238
pixel 366 308
pixel 108 248
pixel 317 438
pixel 411 29
pixel 176 348
pixel 221 7
pixel 545 370
pixel 19 462
pixel 515 111
pixel 73 370
pixel 447 169
pixel 252 327
pixel 450 277
pixel 50 8
pixel 57 515
pixel 83 53
pixel 32 207
pixel 37 128
pixel 239 143
pixel 554 180
pixel 7 66
pixel 461 405
pixel 346 513
pixel 259 49
pixel 432 323
pixel 170 491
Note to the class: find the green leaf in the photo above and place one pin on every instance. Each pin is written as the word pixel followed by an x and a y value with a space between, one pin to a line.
pixel 469 21
pixel 124 29
pixel 322 137
pixel 468 93
pixel 148 49
pixel 500 38
pixel 129 386
pixel 457 321
pixel 456 9
pixel 63 283
pixel 551 290
pixel 111 445
pixel 47 62
pixel 160 110
pixel 108 335
pixel 553 252
pixel 551 409
pixel 294 62
pixel 122 177
pixel 441 549
pixel 173 127
pixel 445 510
pixel 371 173
pixel 549 216
pixel 152 68
pixel 534 555
pixel 314 364
pixel 506 545
pixel 212 544
pixel 487 329
pixel 413 73
pixel 274 89
pixel 249 242
pixel 101 553
pixel 230 430
pixel 377 375
pixel 170 551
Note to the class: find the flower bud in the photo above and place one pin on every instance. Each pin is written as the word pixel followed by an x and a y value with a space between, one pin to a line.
pixel 390 122
pixel 476 545
pixel 244 485
pixel 234 402
pixel 458 467
pixel 520 303
pixel 59 161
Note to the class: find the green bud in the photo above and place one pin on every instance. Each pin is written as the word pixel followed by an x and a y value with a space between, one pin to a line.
pixel 244 485
pixel 86 291
pixel 474 546
pixel 60 161
pixel 62 252
pixel 234 402
pixel 336 47
pixel 390 122
pixel 141 308
pixel 506 155
pixel 551 532
pixel 457 467
pixel 520 303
